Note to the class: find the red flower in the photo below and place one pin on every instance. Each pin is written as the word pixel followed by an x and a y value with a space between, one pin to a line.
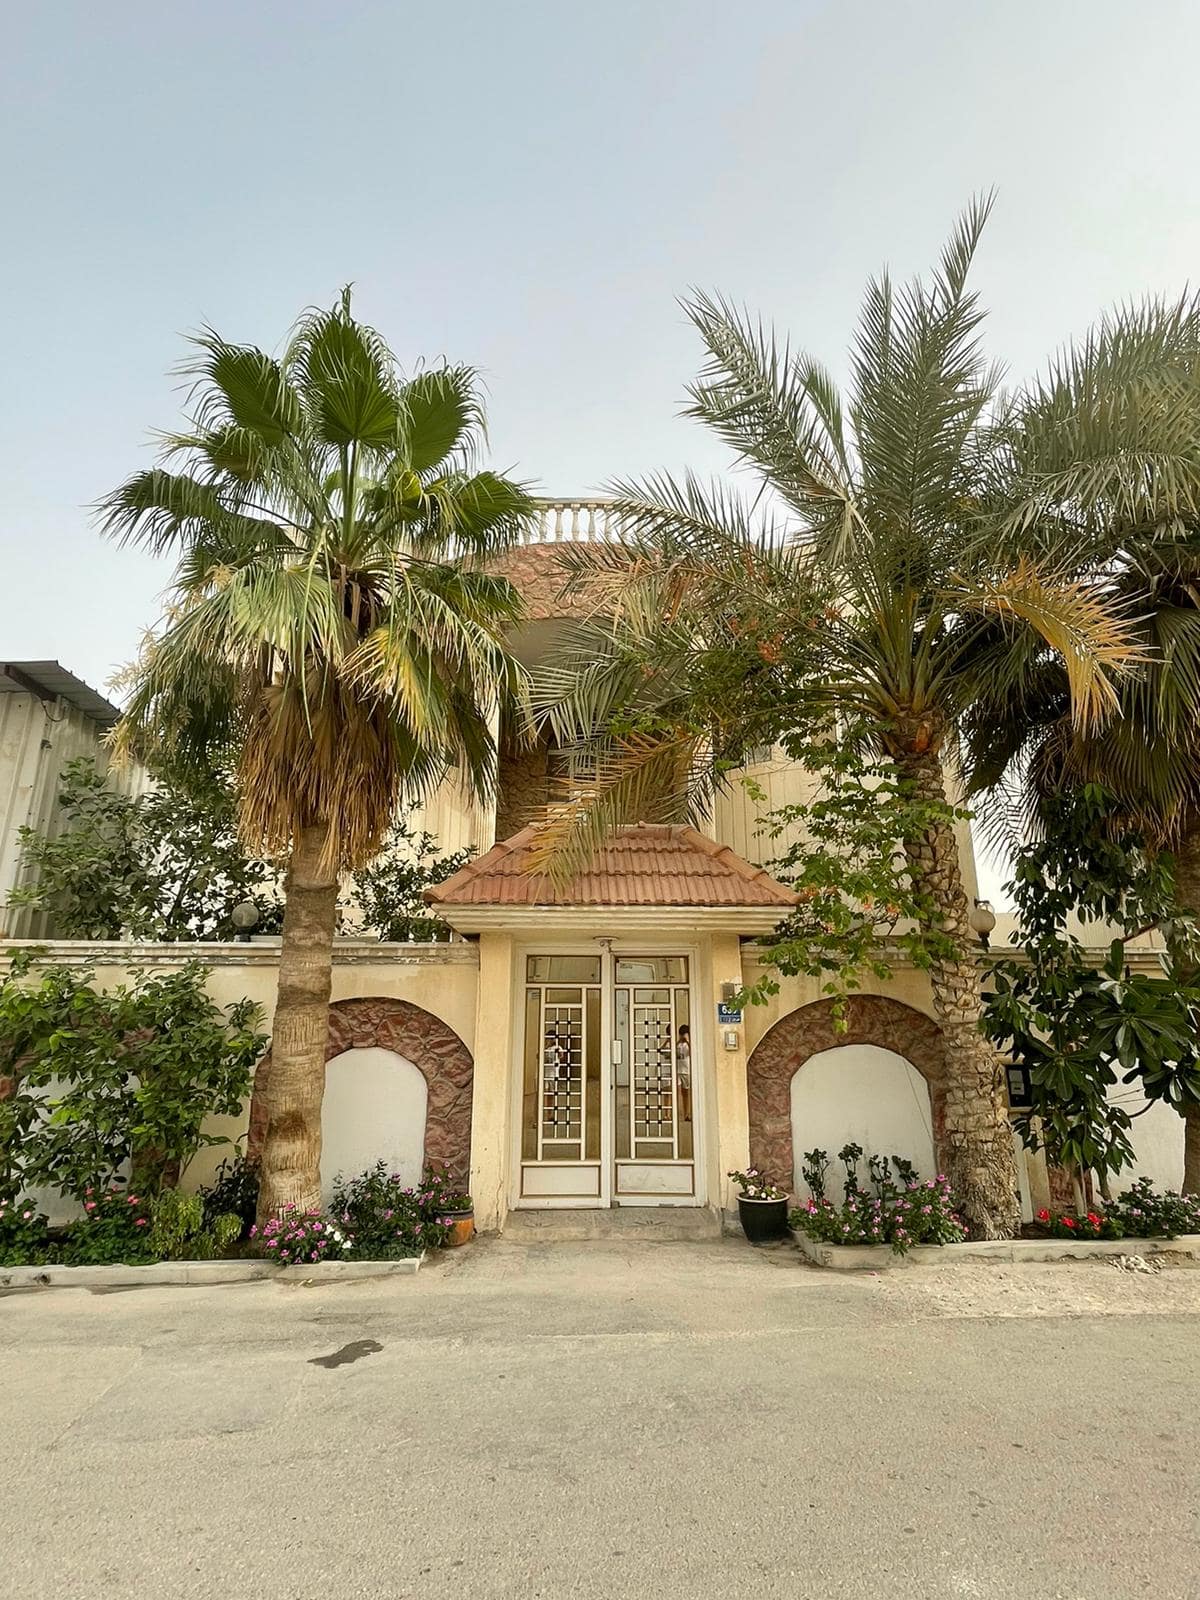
pixel 1068 1222
pixel 1093 1219
pixel 1043 1216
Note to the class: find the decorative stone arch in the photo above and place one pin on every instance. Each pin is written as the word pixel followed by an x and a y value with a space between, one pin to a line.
pixel 805 1032
pixel 432 1046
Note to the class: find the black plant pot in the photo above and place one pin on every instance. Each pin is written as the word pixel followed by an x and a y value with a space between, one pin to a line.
pixel 763 1221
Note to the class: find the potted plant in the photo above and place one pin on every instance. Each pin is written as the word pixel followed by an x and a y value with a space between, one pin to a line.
pixel 453 1209
pixel 762 1207
pixel 460 1220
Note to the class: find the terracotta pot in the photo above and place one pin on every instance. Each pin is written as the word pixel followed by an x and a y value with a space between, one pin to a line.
pixel 462 1228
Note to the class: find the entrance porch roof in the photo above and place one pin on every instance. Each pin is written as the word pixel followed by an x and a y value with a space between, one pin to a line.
pixel 642 869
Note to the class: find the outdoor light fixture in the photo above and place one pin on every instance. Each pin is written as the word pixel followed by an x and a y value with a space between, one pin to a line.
pixel 244 917
pixel 983 921
pixel 1020 1086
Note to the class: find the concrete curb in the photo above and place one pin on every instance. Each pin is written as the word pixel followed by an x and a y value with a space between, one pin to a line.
pixel 876 1258
pixel 177 1273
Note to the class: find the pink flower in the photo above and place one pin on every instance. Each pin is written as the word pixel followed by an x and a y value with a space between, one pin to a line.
pixel 89 1205
pixel 141 1222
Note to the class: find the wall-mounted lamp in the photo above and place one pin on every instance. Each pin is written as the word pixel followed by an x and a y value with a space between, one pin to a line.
pixel 983 921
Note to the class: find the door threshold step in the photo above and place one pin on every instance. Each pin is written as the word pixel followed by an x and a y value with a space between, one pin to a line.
pixel 650 1224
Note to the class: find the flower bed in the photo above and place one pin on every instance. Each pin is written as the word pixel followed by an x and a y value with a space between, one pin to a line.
pixel 374 1218
pixel 898 1218
pixel 1140 1212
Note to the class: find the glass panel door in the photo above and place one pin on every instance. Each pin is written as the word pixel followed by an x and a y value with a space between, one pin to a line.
pixel 654 1139
pixel 562 1100
pixel 607 1107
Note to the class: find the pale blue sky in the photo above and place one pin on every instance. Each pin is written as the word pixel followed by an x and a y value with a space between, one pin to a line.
pixel 528 186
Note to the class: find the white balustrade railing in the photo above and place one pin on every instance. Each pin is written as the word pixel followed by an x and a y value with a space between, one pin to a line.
pixel 572 522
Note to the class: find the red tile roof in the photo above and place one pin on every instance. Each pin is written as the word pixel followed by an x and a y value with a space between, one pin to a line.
pixel 646 865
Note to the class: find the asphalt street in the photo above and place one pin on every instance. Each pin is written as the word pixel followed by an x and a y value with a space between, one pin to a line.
pixel 642 1422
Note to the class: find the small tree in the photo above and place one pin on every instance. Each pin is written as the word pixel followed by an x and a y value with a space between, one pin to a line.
pixel 390 891
pixel 163 865
pixel 1080 1028
pixel 101 1078
pixel 860 907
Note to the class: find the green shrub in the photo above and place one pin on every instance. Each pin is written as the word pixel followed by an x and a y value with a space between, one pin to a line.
pixel 181 1231
pixel 382 1217
pixel 919 1213
pixel 1142 1212
pixel 386 1218
pixel 24 1234
pixel 234 1190
pixel 110 1080
pixel 115 1227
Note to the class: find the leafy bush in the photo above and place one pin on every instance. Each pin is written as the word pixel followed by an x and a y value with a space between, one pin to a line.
pixel 815 1164
pixel 439 1194
pixel 390 892
pixel 1141 1212
pixel 166 864
pixel 109 1077
pixel 300 1238
pixel 814 1169
pixel 919 1213
pixel 234 1190
pixel 382 1216
pixel 179 1230
pixel 115 1227
pixel 388 1219
pixel 24 1234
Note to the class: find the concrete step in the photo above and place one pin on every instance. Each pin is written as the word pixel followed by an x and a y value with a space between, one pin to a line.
pixel 651 1224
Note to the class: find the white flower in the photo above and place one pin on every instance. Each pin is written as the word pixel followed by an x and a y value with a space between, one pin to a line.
pixel 345 1244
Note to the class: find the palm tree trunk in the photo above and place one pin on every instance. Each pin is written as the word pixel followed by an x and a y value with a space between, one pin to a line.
pixel 975 1148
pixel 291 1155
pixel 1187 891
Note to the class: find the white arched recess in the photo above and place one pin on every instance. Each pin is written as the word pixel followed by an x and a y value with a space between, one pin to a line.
pixel 860 1094
pixel 374 1109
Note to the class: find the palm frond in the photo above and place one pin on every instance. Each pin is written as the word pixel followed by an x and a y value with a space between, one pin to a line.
pixel 635 778
pixel 1095 642
pixel 441 415
pixel 345 375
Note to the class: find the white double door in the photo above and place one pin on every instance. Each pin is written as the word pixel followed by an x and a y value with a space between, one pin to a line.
pixel 608 1081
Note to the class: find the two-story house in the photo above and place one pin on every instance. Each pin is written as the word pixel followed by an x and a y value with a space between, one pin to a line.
pixel 603 1064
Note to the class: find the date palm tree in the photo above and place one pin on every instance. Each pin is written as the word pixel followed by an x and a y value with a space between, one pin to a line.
pixel 905 553
pixel 332 628
pixel 1140 374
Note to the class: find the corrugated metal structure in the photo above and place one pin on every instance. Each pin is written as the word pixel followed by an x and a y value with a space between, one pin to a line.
pixel 48 717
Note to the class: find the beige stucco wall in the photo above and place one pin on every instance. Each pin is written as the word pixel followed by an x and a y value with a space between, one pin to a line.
pixel 907 985
pixel 492 1087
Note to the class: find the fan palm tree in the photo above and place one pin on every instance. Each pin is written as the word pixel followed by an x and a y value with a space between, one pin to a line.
pixel 900 559
pixel 332 629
